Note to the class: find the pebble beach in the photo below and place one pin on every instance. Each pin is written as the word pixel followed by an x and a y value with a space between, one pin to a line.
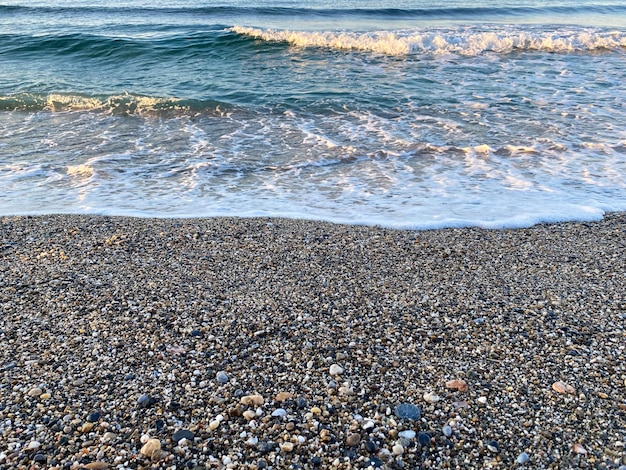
pixel 221 343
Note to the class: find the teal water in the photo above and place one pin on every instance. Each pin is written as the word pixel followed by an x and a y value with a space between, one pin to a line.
pixel 419 114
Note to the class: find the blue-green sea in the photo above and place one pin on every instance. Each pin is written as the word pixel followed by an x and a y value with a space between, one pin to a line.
pixel 409 114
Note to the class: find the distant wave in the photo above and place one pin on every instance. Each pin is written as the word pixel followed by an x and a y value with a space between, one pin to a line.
pixel 124 104
pixel 468 42
pixel 383 13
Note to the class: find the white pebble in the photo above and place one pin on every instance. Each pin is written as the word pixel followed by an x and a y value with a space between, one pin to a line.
pixel 336 369
pixel 523 458
pixel 398 449
pixel 34 445
pixel 279 412
pixel 482 400
pixel 408 434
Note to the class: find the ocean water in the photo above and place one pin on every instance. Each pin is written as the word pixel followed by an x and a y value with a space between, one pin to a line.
pixel 418 114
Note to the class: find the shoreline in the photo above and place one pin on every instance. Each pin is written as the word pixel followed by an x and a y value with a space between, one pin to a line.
pixel 118 331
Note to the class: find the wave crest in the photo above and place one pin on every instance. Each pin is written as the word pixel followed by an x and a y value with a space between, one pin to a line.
pixel 469 42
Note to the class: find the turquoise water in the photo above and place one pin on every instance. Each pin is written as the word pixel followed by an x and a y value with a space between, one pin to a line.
pixel 416 115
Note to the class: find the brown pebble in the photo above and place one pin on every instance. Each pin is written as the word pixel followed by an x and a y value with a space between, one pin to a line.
pixel 562 387
pixel 579 449
pixel 96 466
pixel 252 400
pixel 603 395
pixel 457 384
pixel 283 396
pixel 353 439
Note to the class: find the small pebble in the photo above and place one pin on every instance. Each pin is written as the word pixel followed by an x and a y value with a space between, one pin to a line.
pixel 407 411
pixel 522 458
pixel 286 447
pixel 493 446
pixel 431 397
pixel 93 417
pixel 457 384
pixel 353 439
pixel 336 369
pixel 279 412
pixel 150 447
pixel 397 449
pixel 183 434
pixel 407 434
pixel 222 377
pixel 424 439
pixel 562 387
pixel 447 431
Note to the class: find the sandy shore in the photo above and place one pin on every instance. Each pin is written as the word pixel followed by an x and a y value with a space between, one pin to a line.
pixel 257 343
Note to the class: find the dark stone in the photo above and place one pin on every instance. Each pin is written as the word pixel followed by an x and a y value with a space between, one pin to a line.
pixel 261 464
pixel 146 401
pixel 265 447
pixel 183 434
pixel 407 411
pixel 8 366
pixel 493 446
pixel 424 439
pixel 129 376
pixel 172 405
pixel 160 424
pixel 301 402
pixel 40 458
pixel 316 461
pixel 93 417
pixel 196 333
pixel 350 453
pixel 371 446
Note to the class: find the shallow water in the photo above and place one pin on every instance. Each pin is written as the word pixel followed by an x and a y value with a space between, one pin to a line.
pixel 445 114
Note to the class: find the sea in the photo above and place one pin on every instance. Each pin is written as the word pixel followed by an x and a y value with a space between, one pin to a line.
pixel 412 114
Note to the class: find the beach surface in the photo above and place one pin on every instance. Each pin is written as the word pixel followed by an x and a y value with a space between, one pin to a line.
pixel 275 343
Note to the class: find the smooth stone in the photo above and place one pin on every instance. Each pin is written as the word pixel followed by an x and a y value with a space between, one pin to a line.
pixel 183 434
pixel 316 461
pixel 371 446
pixel 265 447
pixel 447 431
pixel 93 417
pixel 424 439
pixel 407 411
pixel 40 458
pixel 523 458
pixel 222 377
pixel 196 333
pixel 286 447
pixel 431 397
pixel 150 446
pixel 252 400
pixel 353 439
pixel 35 392
pixel 336 369
pixel 34 445
pixel 493 446
pixel 397 449
pixel 279 413
pixel 407 434
pixel 146 401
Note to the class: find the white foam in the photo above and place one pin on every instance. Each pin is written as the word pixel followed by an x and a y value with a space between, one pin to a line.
pixel 467 42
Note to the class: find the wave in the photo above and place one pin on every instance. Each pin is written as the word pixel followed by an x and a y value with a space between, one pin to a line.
pixel 383 13
pixel 467 42
pixel 121 105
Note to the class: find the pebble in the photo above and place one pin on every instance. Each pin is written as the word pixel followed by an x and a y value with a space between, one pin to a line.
pixel 522 458
pixel 431 397
pixel 93 417
pixel 407 411
pixel 252 400
pixel 183 434
pixel 371 446
pixel 562 387
pixel 579 449
pixel 447 431
pixel 424 439
pixel 146 401
pixel 457 384
pixel 222 377
pixel 407 434
pixel 150 446
pixel 32 445
pixel 397 449
pixel 482 400
pixel 336 369
pixel 279 413
pixel 353 439
pixel 35 392
pixel 286 447
pixel 493 446
pixel 283 396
